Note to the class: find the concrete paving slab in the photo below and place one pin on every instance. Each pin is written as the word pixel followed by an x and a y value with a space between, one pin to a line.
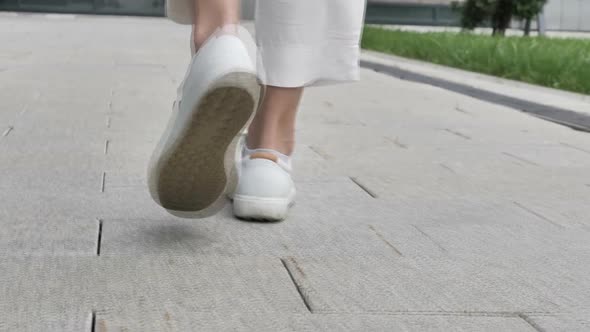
pixel 550 323
pixel 418 208
pixel 40 285
pixel 225 236
pixel 29 320
pixel 476 284
pixel 495 240
pixel 467 210
pixel 197 285
pixel 185 321
pixel 43 204
pixel 52 164
pixel 444 178
pixel 111 285
pixel 14 101
pixel 82 122
pixel 128 202
pixel 127 197
pixel 127 156
pixel 568 209
pixel 49 237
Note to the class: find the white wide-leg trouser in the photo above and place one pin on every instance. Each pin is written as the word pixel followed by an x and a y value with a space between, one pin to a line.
pixel 301 42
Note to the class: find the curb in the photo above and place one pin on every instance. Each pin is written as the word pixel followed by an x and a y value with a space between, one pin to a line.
pixel 572 119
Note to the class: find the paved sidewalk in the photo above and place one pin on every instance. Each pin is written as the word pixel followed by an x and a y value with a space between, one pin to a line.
pixel 419 209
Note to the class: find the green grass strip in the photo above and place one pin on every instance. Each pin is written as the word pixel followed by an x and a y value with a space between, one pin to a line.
pixel 552 62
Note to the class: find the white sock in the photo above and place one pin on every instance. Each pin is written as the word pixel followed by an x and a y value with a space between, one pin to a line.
pixel 284 160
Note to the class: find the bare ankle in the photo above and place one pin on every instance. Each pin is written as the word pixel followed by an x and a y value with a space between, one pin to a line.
pixel 201 34
pixel 256 141
pixel 211 15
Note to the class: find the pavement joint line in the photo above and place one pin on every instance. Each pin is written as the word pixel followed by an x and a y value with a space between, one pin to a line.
pixel 466 313
pixel 566 123
pixel 531 322
pixel 447 168
pixel 7 131
pixel 124 186
pixel 538 215
pixel 461 110
pixel 458 134
pixel 102 181
pixel 106 146
pixel 294 281
pixel 140 65
pixel 397 143
pixel 108 122
pixel 382 238
pixel 572 119
pixel 93 321
pixel 363 187
pixel 574 147
pixel 319 152
pixel 26 105
pixel 520 159
pixel 430 238
pixel 24 109
pixel 99 236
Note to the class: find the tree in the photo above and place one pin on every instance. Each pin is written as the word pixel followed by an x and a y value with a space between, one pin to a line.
pixel 526 10
pixel 502 16
pixel 474 12
pixel 499 13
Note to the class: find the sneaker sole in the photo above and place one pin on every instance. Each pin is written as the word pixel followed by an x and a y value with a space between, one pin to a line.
pixel 191 176
pixel 261 209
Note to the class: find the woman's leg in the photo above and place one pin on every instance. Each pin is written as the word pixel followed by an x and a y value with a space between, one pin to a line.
pixel 273 126
pixel 300 43
pixel 188 173
pixel 212 14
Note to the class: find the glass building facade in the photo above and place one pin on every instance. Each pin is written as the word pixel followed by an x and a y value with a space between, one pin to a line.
pixel 122 7
pixel 377 11
pixel 385 12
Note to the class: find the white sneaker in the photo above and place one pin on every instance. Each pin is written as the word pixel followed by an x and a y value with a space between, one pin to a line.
pixel 265 190
pixel 219 95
